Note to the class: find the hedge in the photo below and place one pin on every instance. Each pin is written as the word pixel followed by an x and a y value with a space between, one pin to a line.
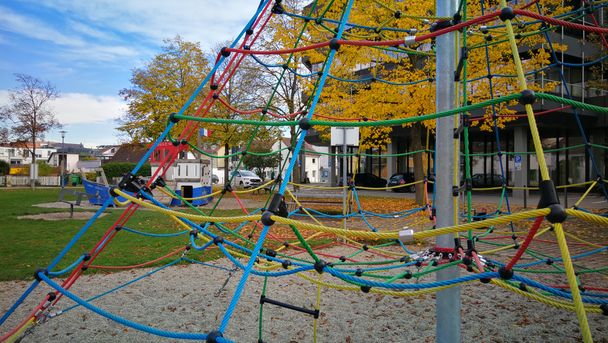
pixel 118 169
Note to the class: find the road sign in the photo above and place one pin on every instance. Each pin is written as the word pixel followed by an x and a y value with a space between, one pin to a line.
pixel 517 162
pixel 352 136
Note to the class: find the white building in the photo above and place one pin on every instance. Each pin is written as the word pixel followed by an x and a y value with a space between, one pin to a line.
pixel 316 165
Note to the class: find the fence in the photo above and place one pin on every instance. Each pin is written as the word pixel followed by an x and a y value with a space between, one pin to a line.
pixel 20 181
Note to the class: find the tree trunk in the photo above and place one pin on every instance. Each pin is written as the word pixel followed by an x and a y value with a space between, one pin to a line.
pixel 418 162
pixel 226 164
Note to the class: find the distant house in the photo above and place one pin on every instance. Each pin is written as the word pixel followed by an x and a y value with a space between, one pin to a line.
pixel 105 152
pixel 128 152
pixel 316 164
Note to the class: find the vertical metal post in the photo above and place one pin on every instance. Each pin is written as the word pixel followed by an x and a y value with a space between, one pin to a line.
pixel 448 301
pixel 62 162
pixel 344 177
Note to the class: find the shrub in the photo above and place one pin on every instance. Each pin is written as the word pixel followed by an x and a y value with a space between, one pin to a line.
pixel 5 168
pixel 46 170
pixel 118 169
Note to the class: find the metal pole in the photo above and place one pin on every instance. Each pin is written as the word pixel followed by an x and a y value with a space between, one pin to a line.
pixel 344 176
pixel 448 301
pixel 61 162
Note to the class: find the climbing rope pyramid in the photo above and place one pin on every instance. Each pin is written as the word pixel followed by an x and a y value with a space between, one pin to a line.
pixel 278 240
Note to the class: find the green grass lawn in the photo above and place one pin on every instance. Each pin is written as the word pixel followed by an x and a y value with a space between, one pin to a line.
pixel 26 245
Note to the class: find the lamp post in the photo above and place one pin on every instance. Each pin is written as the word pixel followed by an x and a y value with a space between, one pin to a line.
pixel 62 161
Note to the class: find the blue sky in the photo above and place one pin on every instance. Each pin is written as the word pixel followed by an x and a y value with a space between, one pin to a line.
pixel 87 49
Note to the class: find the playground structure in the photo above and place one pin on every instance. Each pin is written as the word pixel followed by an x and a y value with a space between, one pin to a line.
pixel 258 242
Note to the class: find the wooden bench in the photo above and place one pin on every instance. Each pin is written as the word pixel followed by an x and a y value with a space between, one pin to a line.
pixel 265 190
pixel 71 192
pixel 311 198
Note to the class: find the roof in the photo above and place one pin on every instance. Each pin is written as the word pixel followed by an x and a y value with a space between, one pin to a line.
pixel 129 152
pixel 308 147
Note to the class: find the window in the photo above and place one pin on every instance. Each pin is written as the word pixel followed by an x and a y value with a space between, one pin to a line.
pixel 314 173
pixel 313 161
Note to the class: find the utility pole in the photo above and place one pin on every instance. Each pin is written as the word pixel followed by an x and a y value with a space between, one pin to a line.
pixel 448 301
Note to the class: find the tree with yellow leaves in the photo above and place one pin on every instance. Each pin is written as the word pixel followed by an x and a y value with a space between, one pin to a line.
pixel 378 83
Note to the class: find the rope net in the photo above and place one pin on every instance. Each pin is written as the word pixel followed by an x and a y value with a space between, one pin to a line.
pixel 370 64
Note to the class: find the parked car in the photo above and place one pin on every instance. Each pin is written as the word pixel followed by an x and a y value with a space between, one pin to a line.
pixel 246 179
pixel 404 178
pixel 486 180
pixel 369 180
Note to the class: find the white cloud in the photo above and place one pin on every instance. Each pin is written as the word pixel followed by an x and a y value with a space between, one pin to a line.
pixel 77 43
pixel 73 108
pixel 206 22
pixel 33 28
pixel 81 108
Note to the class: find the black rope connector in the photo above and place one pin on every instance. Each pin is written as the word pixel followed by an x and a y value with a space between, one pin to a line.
pixel 333 44
pixel 188 247
pixel 506 14
pixel 172 118
pixel 225 52
pixel 213 336
pixel 365 247
pixel 278 8
pixel 438 25
pixel 604 308
pixel 40 270
pixel 86 257
pixel 489 38
pixel 304 124
pixel 408 275
pixel 286 264
pixel 549 261
pixel 227 188
pixel 215 96
pixel 522 286
pixel 194 232
pixel 118 228
pixel 505 274
pixel 549 199
pixel 557 215
pixel 183 142
pixel 175 143
pixel 319 265
pixel 249 32
pixel 527 97
pixel 359 272
pixel 266 220
pixel 286 244
pixel 50 296
pixel 271 253
pixel 342 258
pixel 218 239
pixel 365 289
pixel 397 14
pixel 84 268
pixel 485 280
pixel 160 182
pixel 113 192
pixel 213 86
pixel 456 18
